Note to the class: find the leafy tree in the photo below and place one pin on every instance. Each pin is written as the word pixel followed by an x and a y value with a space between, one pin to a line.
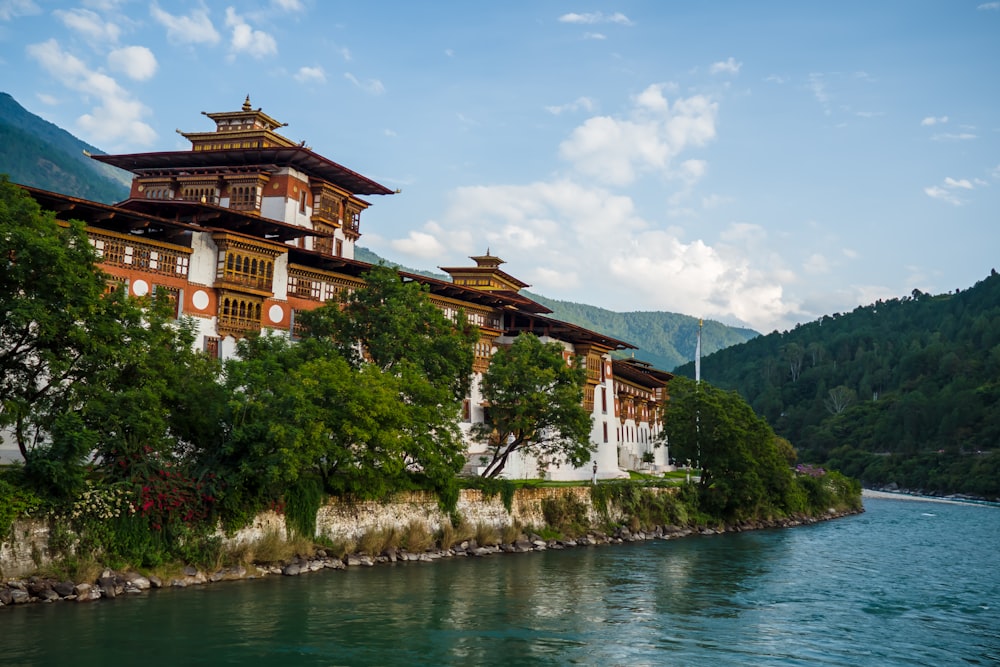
pixel 300 411
pixel 391 324
pixel 744 467
pixel 839 399
pixel 51 314
pixel 365 402
pixel 535 405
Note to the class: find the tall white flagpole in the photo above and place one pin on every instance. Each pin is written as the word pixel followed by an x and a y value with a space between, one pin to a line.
pixel 697 355
pixel 697 384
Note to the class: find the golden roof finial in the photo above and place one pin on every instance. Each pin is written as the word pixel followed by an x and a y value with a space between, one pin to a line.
pixel 246 104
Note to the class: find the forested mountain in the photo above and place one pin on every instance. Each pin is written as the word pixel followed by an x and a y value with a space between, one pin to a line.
pixel 35 152
pixel 904 391
pixel 665 340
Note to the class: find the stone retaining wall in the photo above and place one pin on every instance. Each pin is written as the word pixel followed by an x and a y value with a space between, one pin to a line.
pixel 338 520
pixel 343 520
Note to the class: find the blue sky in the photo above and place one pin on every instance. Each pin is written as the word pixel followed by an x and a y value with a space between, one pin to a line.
pixel 759 163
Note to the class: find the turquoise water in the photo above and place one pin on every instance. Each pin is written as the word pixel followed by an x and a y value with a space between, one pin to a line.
pixel 906 583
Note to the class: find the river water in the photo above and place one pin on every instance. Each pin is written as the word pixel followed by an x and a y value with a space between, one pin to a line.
pixel 905 583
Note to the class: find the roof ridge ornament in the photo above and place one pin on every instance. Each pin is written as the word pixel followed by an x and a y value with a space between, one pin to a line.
pixel 246 104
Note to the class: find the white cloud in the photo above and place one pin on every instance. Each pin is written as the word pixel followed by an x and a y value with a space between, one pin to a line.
pixel 775 78
pixel 590 18
pixel 989 6
pixel 89 25
pixel 816 264
pixel 104 5
pixel 195 28
pixel 371 86
pixel 948 191
pixel 310 74
pixel 936 192
pixel 617 150
pixel 245 39
pixel 963 183
pixel 136 62
pixel 595 35
pixel 934 120
pixel 817 84
pixel 116 118
pixel 728 66
pixel 48 100
pixel 714 201
pixel 578 238
pixel 450 53
pixel 549 230
pixel 421 245
pixel 584 103
pixel 961 136
pixel 289 5
pixel 10 9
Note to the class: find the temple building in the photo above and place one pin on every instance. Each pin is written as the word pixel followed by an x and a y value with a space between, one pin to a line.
pixel 249 228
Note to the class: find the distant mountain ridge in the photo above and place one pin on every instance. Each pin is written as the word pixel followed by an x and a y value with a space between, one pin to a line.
pixel 666 340
pixel 38 153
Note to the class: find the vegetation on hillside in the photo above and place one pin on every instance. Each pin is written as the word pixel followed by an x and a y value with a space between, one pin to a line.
pixel 904 391
pixel 37 153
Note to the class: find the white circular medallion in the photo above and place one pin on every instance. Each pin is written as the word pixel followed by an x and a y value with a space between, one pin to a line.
pixel 140 288
pixel 275 313
pixel 199 300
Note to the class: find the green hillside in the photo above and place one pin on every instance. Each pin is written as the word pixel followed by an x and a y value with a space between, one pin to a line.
pixel 35 152
pixel 904 391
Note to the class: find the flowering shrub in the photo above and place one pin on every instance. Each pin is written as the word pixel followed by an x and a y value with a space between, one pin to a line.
pixel 148 512
pixel 811 471
pixel 170 497
pixel 101 503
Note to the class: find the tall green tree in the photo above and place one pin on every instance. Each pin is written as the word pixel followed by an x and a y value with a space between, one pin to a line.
pixel 535 406
pixel 744 466
pixel 390 323
pixel 301 411
pixel 91 378
pixel 51 315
